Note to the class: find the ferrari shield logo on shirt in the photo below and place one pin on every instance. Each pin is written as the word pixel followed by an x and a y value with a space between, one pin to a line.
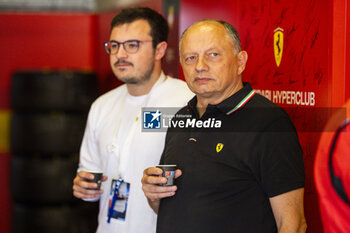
pixel 278 45
pixel 219 147
pixel 152 119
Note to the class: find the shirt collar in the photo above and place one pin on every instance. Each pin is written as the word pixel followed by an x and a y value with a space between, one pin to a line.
pixel 229 105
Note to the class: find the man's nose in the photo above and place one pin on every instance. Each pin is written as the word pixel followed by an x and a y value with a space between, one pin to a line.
pixel 121 53
pixel 201 64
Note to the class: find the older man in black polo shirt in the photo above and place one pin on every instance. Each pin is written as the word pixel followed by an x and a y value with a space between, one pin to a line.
pixel 244 174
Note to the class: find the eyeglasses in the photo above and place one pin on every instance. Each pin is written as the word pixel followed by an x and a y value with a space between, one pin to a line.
pixel 130 46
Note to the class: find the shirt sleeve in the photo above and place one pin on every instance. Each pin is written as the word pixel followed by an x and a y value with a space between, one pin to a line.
pixel 281 158
pixel 89 156
pixel 89 159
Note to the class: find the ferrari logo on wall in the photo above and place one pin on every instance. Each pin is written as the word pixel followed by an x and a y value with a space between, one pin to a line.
pixel 278 45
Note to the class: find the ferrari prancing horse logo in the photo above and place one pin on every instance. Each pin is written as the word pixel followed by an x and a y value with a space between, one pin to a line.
pixel 219 147
pixel 278 45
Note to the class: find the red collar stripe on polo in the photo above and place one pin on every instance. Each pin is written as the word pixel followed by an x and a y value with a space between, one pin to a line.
pixel 242 103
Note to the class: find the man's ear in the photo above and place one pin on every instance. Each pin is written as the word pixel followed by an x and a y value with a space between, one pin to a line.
pixel 160 50
pixel 242 58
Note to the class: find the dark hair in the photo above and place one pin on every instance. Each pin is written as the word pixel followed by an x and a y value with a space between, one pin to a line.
pixel 159 26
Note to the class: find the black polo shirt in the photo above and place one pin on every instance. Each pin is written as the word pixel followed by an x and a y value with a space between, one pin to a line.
pixel 229 173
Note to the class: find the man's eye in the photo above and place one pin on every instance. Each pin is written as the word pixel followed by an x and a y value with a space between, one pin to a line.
pixel 133 45
pixel 114 45
pixel 190 58
pixel 214 54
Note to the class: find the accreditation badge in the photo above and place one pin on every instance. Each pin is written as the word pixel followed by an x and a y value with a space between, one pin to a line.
pixel 118 199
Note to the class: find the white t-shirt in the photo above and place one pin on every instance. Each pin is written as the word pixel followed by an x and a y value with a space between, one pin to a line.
pixel 114 143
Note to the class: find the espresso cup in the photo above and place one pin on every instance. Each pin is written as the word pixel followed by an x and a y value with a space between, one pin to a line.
pixel 97 179
pixel 169 173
